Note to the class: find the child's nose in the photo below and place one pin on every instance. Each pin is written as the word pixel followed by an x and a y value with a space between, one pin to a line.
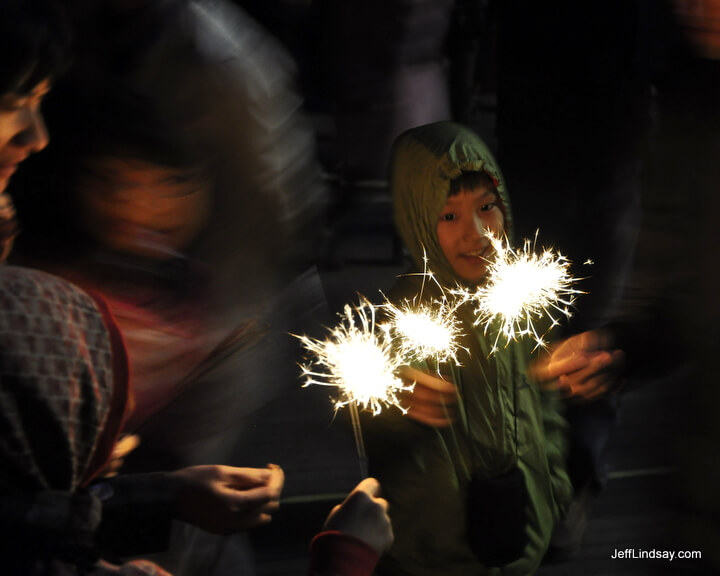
pixel 473 229
pixel 481 227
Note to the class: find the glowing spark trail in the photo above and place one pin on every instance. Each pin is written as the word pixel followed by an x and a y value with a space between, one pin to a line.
pixel 424 331
pixel 522 287
pixel 360 362
pixel 357 359
pixel 428 330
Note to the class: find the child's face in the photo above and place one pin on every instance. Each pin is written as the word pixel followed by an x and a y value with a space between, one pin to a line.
pixel 460 233
pixel 134 207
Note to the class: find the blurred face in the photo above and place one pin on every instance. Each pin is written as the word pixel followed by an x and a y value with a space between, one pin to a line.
pixel 22 129
pixel 133 207
pixel 460 231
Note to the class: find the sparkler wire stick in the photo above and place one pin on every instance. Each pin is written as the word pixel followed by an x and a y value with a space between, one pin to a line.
pixel 359 360
pixel 359 443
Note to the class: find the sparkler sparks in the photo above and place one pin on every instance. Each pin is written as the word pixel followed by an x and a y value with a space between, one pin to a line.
pixel 358 359
pixel 522 287
pixel 425 330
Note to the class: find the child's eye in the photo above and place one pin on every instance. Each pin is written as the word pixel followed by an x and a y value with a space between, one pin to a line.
pixel 488 207
pixel 447 217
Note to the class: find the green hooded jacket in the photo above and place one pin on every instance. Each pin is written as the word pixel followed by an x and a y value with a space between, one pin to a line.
pixel 503 420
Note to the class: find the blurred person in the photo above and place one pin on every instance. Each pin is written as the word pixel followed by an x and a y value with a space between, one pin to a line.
pixel 573 122
pixel 183 187
pixel 242 126
pixel 222 89
pixel 666 324
pixel 42 32
pixel 474 471
pixel 211 56
pixel 133 194
pixel 34 50
pixel 63 399
pixel 61 418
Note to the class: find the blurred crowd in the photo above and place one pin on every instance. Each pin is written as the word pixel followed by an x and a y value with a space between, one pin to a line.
pixel 166 204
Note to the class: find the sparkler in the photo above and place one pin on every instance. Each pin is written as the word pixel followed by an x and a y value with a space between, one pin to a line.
pixel 424 330
pixel 359 360
pixel 521 288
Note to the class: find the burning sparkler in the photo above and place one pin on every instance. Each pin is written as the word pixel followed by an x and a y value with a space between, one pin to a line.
pixel 521 288
pixel 360 361
pixel 424 330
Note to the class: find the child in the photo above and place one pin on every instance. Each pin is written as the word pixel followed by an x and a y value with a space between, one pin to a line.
pixel 474 471
pixel 63 393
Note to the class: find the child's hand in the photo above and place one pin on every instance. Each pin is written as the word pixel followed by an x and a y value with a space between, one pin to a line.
pixel 433 400
pixel 583 367
pixel 363 514
pixel 225 499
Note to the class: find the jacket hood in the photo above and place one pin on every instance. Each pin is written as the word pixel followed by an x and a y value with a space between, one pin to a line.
pixel 424 161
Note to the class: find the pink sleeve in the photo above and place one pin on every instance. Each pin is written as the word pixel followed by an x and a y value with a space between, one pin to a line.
pixel 333 553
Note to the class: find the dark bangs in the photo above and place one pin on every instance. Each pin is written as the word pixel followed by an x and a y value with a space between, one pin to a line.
pixel 34 43
pixel 471 181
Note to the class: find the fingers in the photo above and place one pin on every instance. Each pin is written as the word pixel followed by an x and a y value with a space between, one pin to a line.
pixel 599 377
pixel 125 445
pixel 551 368
pixel 370 486
pixel 427 380
pixel 425 395
pixel 429 408
pixel 576 373
pixel 435 415
pixel 263 496
pixel 245 478
pixel 277 479
pixel 364 515
pixel 432 400
pixel 575 353
pixel 251 503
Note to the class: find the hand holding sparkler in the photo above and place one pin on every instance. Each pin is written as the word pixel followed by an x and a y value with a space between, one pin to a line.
pixel 358 360
pixel 584 366
pixel 432 401
pixel 364 515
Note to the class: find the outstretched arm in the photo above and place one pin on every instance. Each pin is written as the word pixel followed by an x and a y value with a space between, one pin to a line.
pixel 138 508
